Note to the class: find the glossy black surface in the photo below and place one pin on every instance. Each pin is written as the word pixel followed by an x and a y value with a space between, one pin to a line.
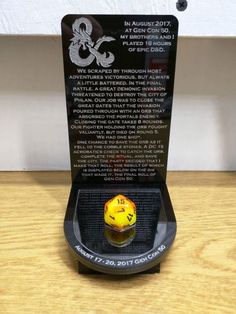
pixel 125 152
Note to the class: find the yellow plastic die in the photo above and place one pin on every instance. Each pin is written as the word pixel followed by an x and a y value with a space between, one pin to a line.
pixel 120 213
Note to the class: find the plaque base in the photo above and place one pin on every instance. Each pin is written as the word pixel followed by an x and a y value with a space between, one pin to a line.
pixel 82 269
pixel 85 229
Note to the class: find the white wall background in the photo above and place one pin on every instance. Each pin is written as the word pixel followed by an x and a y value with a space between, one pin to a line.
pixel 33 126
pixel 201 18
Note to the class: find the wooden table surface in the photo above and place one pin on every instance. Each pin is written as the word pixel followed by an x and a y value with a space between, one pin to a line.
pixel 39 275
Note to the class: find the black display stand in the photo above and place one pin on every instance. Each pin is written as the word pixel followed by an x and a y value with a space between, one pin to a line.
pixel 119 78
pixel 82 269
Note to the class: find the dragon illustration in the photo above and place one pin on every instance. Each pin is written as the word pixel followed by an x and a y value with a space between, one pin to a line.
pixel 82 40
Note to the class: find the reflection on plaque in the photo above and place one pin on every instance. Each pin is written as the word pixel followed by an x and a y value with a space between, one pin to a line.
pixel 119 79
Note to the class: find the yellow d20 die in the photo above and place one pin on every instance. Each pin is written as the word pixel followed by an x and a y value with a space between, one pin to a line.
pixel 120 212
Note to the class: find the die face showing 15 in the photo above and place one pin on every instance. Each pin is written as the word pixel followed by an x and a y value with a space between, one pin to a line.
pixel 120 213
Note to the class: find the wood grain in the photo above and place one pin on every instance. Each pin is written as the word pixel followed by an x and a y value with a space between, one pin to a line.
pixel 38 274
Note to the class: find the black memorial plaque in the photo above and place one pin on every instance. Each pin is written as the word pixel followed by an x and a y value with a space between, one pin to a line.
pixel 119 77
